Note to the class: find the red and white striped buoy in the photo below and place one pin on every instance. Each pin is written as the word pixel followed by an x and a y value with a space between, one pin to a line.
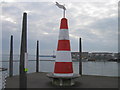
pixel 63 63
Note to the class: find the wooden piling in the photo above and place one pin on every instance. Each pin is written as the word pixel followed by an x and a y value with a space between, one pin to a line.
pixel 80 57
pixel 37 57
pixel 11 57
pixel 23 76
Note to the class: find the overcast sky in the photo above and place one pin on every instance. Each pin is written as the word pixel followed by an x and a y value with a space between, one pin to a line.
pixel 95 22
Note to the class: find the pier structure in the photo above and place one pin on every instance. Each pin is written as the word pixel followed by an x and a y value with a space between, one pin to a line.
pixel 63 70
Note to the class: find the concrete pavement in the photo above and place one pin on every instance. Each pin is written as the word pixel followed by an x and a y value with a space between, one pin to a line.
pixel 40 80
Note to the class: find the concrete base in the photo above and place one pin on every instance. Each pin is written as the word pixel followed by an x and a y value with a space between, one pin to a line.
pixel 63 80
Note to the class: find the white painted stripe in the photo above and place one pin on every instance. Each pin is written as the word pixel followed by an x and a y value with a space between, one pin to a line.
pixel 63 34
pixel 26 59
pixel 71 74
pixel 63 56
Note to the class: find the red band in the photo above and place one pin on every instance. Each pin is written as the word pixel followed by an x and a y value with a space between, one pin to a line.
pixel 63 24
pixel 63 67
pixel 63 45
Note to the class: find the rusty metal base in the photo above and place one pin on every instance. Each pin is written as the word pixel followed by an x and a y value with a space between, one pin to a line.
pixel 63 80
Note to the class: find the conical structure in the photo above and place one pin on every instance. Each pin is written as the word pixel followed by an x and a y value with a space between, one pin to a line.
pixel 63 63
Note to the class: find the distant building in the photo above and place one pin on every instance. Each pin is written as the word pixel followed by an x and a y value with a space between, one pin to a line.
pixel 75 55
pixel 115 55
pixel 100 56
pixel 95 56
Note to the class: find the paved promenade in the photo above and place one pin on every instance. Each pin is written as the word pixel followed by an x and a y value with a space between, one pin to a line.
pixel 39 80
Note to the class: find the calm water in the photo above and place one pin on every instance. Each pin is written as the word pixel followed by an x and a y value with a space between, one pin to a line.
pixel 47 65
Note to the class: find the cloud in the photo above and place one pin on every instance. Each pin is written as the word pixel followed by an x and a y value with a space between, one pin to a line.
pixel 95 22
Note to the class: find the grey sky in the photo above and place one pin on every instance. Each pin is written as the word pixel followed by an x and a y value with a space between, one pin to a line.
pixel 95 22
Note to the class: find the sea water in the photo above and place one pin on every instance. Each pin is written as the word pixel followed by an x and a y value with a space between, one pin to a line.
pixel 46 64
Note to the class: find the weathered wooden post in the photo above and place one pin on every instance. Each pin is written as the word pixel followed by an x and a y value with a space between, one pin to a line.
pixel 11 57
pixel 23 51
pixel 37 57
pixel 80 57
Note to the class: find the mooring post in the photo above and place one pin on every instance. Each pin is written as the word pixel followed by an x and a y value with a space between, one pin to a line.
pixel 80 57
pixel 23 51
pixel 11 57
pixel 37 57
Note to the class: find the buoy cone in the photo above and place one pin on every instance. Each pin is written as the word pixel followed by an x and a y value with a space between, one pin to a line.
pixel 63 63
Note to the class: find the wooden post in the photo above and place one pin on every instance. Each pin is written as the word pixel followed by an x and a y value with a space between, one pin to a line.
pixel 11 57
pixel 37 57
pixel 80 57
pixel 23 76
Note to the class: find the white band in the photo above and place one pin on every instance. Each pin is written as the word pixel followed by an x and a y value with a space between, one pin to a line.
pixel 71 74
pixel 63 56
pixel 26 59
pixel 63 34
